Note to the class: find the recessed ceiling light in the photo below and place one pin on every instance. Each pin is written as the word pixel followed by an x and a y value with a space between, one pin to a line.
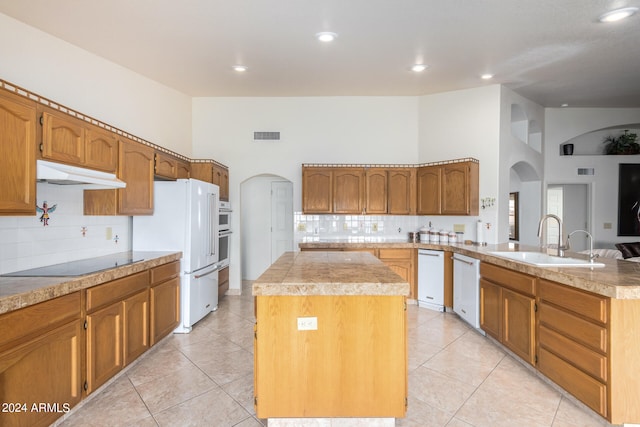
pixel 240 68
pixel 418 68
pixel 564 105
pixel 618 14
pixel 486 76
pixel 326 36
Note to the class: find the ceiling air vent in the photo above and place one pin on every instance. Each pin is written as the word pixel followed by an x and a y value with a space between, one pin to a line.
pixel 586 171
pixel 266 136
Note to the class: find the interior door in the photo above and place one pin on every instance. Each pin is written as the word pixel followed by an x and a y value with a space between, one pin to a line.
pixel 281 218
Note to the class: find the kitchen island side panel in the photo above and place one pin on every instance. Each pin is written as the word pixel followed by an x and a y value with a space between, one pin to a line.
pixel 353 365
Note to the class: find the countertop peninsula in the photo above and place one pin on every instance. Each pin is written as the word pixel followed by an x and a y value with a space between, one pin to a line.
pixel 618 279
pixel 20 292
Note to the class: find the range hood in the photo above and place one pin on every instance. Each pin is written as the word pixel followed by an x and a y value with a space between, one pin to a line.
pixel 58 173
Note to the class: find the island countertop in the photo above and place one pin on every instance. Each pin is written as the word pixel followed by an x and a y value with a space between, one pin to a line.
pixel 329 273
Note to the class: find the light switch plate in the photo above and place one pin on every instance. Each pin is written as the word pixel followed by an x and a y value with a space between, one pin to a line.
pixel 607 226
pixel 307 323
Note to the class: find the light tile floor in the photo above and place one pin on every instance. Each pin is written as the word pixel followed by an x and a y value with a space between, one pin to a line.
pixel 457 378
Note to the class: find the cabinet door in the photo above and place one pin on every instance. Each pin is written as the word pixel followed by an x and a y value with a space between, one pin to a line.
pixel 135 167
pixel 46 369
pixel 317 190
pixel 165 308
pixel 429 186
pixel 375 191
pixel 223 282
pixel 165 166
pixel 518 324
pixel 401 192
pixel 224 185
pixel 202 171
pixel 348 191
pixel 18 159
pixel 460 189
pixel 63 138
pixel 455 189
pixel 104 345
pixel 135 326
pixel 101 149
pixel 183 169
pixel 491 309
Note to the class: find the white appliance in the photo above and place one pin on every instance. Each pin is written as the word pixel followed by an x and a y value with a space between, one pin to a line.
pixel 185 219
pixel 224 216
pixel 466 289
pixel 431 279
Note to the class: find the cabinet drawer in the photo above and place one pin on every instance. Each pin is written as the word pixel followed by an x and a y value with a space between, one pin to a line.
pixel 594 307
pixel 164 272
pixel 509 279
pixel 574 327
pixel 588 360
pixel 116 290
pixel 587 389
pixel 39 318
pixel 394 253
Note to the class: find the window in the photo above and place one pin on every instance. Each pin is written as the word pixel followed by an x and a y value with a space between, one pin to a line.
pixel 513 216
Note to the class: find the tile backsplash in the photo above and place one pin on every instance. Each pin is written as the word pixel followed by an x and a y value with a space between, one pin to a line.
pixel 310 228
pixel 26 243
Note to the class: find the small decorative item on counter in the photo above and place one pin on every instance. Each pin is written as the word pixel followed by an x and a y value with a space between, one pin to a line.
pixel 425 235
pixel 453 237
pixel 444 236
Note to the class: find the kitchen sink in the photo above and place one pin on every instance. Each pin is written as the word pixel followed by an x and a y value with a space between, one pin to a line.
pixel 544 260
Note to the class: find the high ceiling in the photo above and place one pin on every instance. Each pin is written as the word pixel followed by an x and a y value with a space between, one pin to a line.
pixel 550 51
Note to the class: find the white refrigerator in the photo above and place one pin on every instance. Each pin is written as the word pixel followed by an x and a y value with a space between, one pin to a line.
pixel 185 218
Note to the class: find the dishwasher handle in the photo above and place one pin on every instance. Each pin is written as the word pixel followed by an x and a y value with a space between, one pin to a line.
pixel 462 260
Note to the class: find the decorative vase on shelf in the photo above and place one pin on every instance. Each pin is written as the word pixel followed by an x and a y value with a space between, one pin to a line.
pixel 567 149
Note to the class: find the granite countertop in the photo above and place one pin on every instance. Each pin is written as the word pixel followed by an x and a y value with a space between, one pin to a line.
pixel 19 292
pixel 329 273
pixel 617 279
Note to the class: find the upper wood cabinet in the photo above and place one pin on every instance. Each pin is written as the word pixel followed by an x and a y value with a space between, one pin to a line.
pixel 358 190
pixel 376 190
pixel 73 141
pixel 165 166
pixel 184 169
pixel 348 190
pixel 18 160
pixel 401 199
pixel 136 168
pixel 214 173
pixel 317 190
pixel 450 189
pixel 101 149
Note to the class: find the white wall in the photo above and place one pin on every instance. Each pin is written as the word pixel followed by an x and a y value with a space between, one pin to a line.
pixel 318 130
pixel 77 79
pixel 459 124
pixel 563 124
pixel 520 153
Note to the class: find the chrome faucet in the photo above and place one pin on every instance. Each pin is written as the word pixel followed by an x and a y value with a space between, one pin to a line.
pixel 592 256
pixel 561 246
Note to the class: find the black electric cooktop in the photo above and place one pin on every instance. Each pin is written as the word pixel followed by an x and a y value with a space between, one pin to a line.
pixel 77 268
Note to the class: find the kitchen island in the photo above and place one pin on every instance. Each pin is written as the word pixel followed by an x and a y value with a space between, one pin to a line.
pixel 331 339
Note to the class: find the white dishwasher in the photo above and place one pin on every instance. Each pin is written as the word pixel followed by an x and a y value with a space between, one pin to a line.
pixel 466 289
pixel 431 279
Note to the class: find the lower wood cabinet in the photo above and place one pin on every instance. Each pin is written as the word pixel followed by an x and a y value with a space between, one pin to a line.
pixel 164 296
pixel 41 351
pixel 117 326
pixel 223 282
pixel 402 262
pixel 507 309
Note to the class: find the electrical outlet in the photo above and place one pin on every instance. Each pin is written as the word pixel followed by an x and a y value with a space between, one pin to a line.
pixel 302 227
pixel 607 226
pixel 374 226
pixel 307 323
pixel 345 226
pixel 109 233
